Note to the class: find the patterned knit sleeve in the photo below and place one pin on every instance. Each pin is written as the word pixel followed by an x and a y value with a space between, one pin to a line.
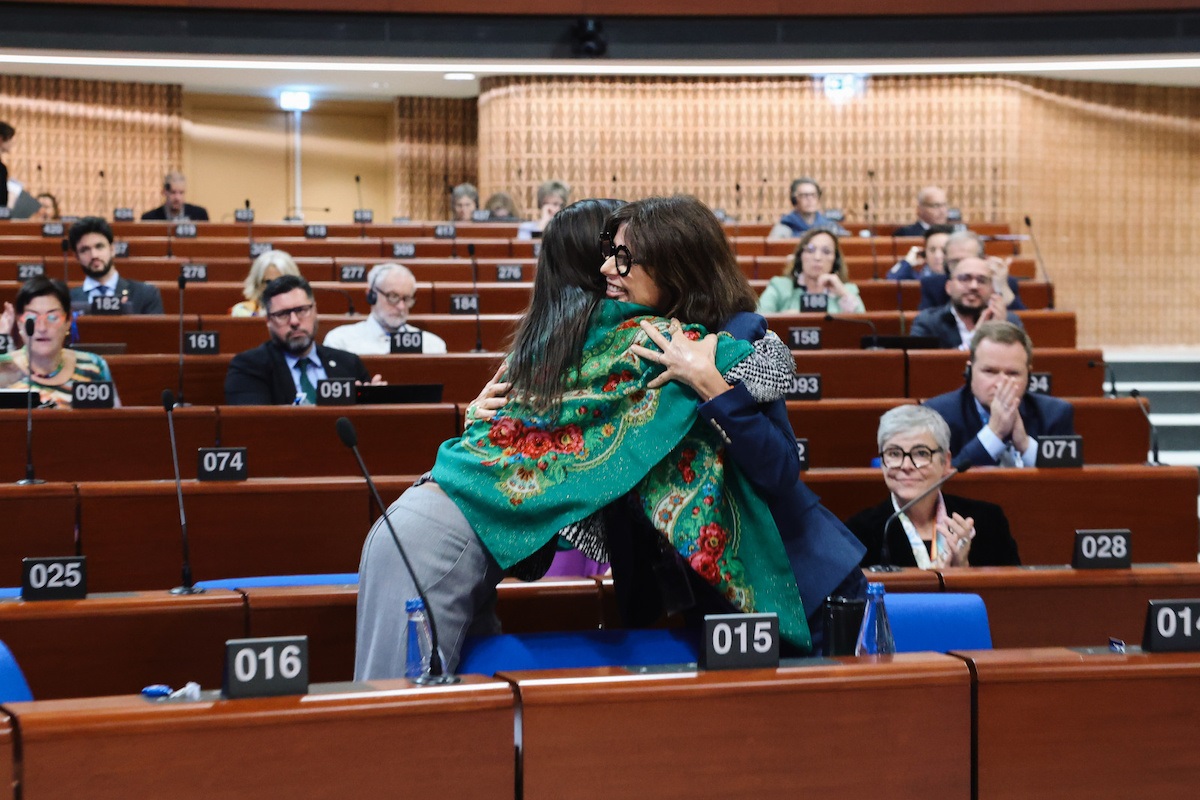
pixel 767 372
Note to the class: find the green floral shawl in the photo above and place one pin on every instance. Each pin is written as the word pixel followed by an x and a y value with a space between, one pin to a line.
pixel 520 478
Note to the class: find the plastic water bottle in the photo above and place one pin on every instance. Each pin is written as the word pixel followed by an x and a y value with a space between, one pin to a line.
pixel 875 635
pixel 420 640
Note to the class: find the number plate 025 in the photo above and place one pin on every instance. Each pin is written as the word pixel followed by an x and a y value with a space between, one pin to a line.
pixel 54 578
pixel 740 641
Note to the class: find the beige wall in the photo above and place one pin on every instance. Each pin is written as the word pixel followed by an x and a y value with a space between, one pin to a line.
pixel 239 148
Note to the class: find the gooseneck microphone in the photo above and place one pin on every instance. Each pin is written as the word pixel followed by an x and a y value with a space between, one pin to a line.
pixel 349 437
pixel 188 586
pixel 885 551
pixel 350 310
pixel 30 477
pixel 362 225
pixel 1037 251
pixel 103 194
pixel 182 285
pixel 874 250
pixel 1108 373
pixel 868 342
pixel 249 224
pixel 475 290
pixel 1145 409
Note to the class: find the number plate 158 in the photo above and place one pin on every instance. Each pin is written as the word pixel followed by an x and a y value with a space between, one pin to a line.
pixel 740 641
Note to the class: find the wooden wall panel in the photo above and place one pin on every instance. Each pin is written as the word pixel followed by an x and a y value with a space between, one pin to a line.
pixel 74 129
pixel 435 140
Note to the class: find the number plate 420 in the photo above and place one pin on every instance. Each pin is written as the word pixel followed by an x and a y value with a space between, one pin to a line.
pixel 54 578
pixel 741 641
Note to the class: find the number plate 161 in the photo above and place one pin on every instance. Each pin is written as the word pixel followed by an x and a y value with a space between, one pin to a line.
pixel 740 641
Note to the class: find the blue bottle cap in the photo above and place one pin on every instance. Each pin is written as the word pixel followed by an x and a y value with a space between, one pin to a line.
pixel 875 590
pixel 414 604
pixel 156 691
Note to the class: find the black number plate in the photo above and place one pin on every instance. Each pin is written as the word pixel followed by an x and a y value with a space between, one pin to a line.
pixel 201 343
pixel 221 464
pixel 315 232
pixel 352 273
pixel 804 338
pixel 741 641
pixel 93 395
pixel 1102 549
pixel 30 270
pixel 407 341
pixel 1060 451
pixel 123 215
pixel 464 303
pixel 54 578
pixel 258 248
pixel 196 273
pixel 443 232
pixel 185 230
pixel 51 229
pixel 510 272
pixel 802 451
pixel 335 392
pixel 1041 383
pixel 814 302
pixel 243 215
pixel 403 249
pixel 1171 626
pixel 805 387
pixel 266 667
pixel 364 216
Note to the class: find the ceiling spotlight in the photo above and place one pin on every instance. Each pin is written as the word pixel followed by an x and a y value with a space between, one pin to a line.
pixel 459 76
pixel 295 101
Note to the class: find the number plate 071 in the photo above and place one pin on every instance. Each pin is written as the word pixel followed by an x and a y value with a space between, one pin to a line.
pixel 740 641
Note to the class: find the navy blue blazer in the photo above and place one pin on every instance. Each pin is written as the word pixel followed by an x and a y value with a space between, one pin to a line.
pixel 136 297
pixel 993 545
pixel 933 293
pixel 260 377
pixel 760 439
pixel 915 229
pixel 1042 415
pixel 193 213
pixel 940 322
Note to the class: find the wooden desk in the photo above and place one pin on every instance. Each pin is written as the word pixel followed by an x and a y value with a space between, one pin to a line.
pixel 379 740
pixel 38 521
pixel 130 530
pixel 1071 608
pixel 752 733
pixel 238 334
pixel 932 372
pixel 1046 328
pixel 98 445
pixel 1058 723
pixel 1045 506
pixel 855 373
pixel 116 644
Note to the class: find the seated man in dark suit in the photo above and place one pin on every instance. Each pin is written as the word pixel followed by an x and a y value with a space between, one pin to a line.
pixel 967 244
pixel 286 369
pixel 91 240
pixel 972 302
pixel 173 208
pixel 993 419
pixel 931 210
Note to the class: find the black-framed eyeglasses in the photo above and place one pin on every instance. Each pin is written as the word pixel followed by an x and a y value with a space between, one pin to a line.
pixel 920 456
pixel 619 253
pixel 282 316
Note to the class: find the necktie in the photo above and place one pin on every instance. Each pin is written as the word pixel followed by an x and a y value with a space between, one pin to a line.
pixel 306 385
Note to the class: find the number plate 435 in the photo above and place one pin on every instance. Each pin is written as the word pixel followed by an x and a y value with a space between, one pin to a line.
pixel 740 641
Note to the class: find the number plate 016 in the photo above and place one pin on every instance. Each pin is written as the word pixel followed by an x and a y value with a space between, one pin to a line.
pixel 740 641
pixel 1171 626
pixel 266 667
pixel 1102 549
pixel 54 578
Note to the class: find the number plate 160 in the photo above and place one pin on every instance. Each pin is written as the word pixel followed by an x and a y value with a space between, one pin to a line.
pixel 741 641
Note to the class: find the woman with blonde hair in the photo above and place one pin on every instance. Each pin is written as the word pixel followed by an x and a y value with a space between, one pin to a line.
pixel 266 268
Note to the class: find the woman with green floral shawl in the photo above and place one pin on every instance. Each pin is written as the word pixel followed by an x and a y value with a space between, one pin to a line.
pixel 569 443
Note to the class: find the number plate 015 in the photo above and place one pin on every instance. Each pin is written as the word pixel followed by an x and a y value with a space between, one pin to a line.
pixel 54 578
pixel 740 641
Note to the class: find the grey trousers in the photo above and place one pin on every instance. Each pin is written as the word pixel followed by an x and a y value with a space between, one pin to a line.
pixel 458 574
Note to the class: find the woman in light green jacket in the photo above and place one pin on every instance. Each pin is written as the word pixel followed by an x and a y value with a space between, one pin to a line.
pixel 816 268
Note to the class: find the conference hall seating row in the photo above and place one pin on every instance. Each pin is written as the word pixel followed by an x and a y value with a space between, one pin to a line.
pixel 300 441
pixel 437 297
pixel 282 526
pixel 330 268
pixel 160 333
pixel 1044 722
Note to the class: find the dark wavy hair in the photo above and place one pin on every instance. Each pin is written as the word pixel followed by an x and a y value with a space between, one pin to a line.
pixel 839 262
pixel 567 287
pixel 683 247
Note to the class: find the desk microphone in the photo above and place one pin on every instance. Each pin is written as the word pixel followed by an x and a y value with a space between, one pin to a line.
pixel 475 289
pixel 874 250
pixel 362 225
pixel 170 239
pixel 1037 251
pixel 350 310
pixel 103 194
pixel 349 437
pixel 182 284
pixel 188 586
pixel 30 478
pixel 885 551
pixel 1108 373
pixel 868 343
pixel 1136 395
pixel 249 224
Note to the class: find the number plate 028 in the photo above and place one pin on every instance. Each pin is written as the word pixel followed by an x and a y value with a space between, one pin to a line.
pixel 1102 549
pixel 740 641
pixel 54 578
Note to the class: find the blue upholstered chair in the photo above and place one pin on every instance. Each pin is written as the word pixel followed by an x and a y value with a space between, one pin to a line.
pixel 486 655
pixel 268 581
pixel 938 621
pixel 13 686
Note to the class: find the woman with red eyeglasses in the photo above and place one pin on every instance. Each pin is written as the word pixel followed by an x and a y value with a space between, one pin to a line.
pixel 44 362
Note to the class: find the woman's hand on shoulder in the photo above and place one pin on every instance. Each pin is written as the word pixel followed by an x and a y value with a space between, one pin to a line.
pixel 491 398
pixel 691 362
pixel 7 317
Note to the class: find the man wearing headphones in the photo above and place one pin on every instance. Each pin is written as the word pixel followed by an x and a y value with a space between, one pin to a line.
pixel 993 420
pixel 173 208
pixel 806 212
pixel 392 289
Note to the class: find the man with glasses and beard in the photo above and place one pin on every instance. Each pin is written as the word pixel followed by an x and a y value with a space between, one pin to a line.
pixel 973 302
pixel 91 240
pixel 286 369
